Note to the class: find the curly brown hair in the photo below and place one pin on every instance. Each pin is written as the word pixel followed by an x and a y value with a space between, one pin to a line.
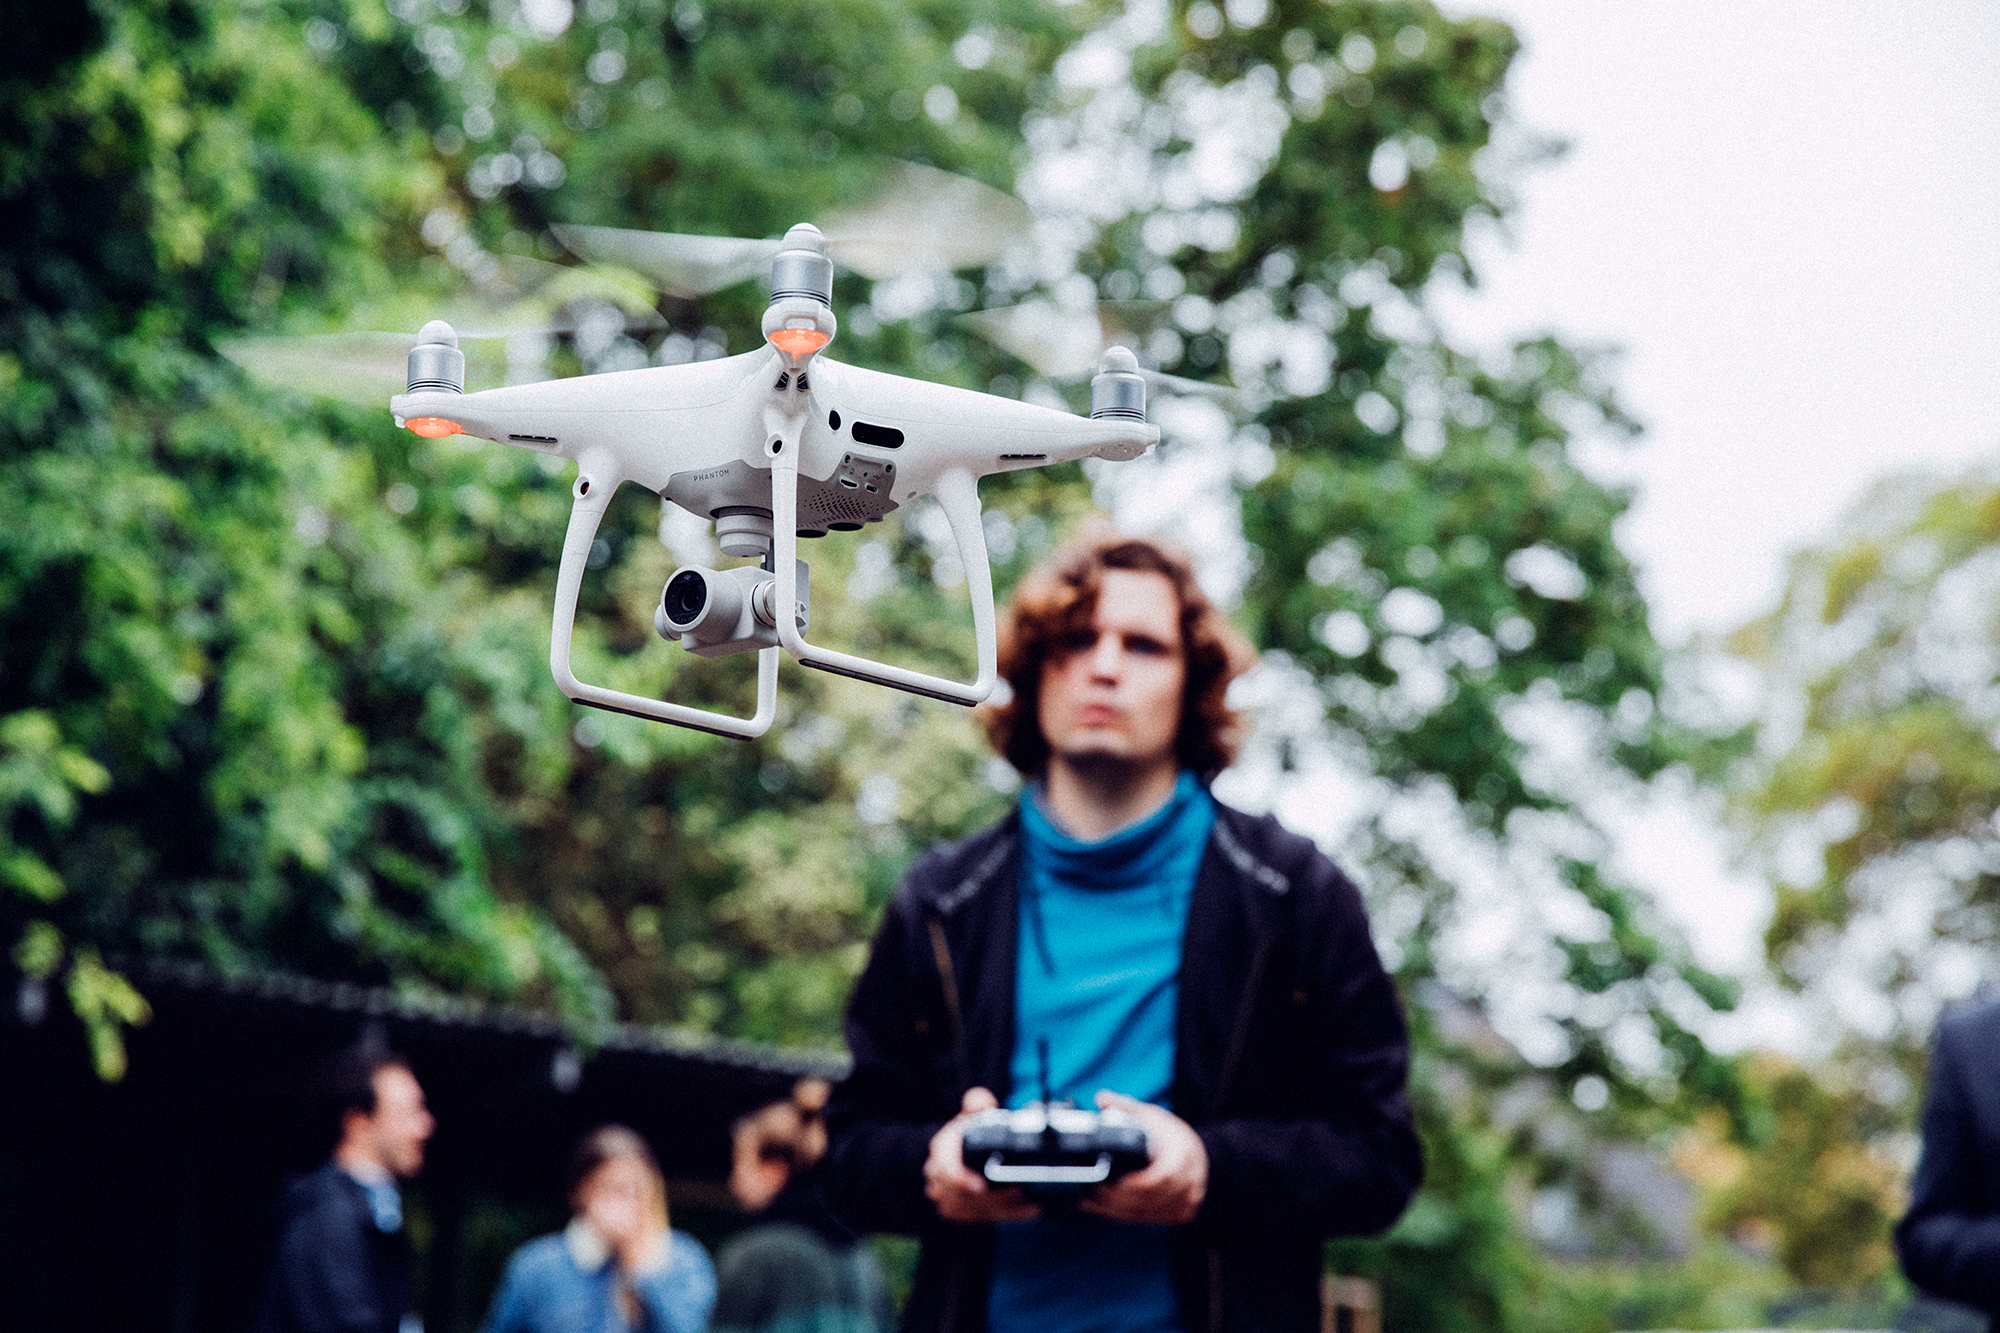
pixel 1059 598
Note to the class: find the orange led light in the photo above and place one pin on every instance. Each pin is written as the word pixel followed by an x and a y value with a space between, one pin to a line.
pixel 434 428
pixel 799 342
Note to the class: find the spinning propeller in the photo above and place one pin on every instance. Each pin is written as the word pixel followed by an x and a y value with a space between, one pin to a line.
pixel 527 297
pixel 924 219
pixel 1065 344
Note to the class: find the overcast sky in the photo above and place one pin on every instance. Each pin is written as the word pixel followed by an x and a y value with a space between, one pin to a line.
pixel 1788 215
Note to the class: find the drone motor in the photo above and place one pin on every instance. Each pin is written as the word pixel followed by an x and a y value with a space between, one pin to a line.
pixel 802 268
pixel 436 362
pixel 1118 392
pixel 436 366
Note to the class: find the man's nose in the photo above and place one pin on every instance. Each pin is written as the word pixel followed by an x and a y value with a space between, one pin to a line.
pixel 1104 655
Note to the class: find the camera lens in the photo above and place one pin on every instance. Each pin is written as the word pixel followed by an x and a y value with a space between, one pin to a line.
pixel 687 594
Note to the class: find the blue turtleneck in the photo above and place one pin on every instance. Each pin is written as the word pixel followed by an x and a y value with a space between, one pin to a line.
pixel 1098 978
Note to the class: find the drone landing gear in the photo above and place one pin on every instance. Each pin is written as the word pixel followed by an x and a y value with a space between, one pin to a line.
pixel 957 491
pixel 593 492
pixel 958 494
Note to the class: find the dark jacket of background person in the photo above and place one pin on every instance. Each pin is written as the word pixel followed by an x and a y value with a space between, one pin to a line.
pixel 803 1205
pixel 781 1277
pixel 334 1271
pixel 1291 1058
pixel 799 1267
pixel 1950 1239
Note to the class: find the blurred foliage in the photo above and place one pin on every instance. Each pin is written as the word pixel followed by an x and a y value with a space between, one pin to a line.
pixel 273 682
pixel 1875 791
pixel 257 708
pixel 1815 1188
pixel 1456 1259
pixel 1718 1286
pixel 1871 805
pixel 1430 561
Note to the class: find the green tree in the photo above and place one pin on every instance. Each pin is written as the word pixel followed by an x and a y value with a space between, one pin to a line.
pixel 158 617
pixel 1874 792
pixel 1818 1185
pixel 1431 574
pixel 1870 804
pixel 272 689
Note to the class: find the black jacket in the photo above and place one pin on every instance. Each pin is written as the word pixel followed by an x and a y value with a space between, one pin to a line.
pixel 334 1271
pixel 1290 1062
pixel 1950 1239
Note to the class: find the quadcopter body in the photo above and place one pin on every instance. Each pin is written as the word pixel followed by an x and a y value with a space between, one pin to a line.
pixel 773 444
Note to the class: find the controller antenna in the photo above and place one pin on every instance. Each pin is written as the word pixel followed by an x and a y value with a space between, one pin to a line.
pixel 1049 1136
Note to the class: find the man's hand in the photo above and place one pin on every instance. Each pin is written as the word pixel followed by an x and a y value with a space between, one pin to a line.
pixel 962 1195
pixel 1170 1187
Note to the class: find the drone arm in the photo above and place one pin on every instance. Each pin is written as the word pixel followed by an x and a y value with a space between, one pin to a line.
pixel 593 490
pixel 958 492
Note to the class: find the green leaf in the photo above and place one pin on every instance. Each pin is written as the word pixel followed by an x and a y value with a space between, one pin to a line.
pixel 107 1004
pixel 39 951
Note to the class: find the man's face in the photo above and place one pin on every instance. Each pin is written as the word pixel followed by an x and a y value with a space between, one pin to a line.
pixel 402 1124
pixel 1113 691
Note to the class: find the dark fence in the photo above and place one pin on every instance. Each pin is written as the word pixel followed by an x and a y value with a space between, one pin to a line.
pixel 147 1204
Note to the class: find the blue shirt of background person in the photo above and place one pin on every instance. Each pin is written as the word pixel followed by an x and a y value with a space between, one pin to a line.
pixel 571 1282
pixel 618 1266
pixel 1098 980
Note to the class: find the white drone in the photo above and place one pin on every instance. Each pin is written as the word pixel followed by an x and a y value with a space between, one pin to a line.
pixel 773 445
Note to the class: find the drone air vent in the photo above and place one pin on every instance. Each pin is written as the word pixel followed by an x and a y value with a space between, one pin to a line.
pixel 886 437
pixel 834 507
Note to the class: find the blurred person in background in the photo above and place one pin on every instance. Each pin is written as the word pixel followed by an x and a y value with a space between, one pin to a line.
pixel 343 1260
pixel 799 1266
pixel 1949 1241
pixel 619 1265
pixel 1205 970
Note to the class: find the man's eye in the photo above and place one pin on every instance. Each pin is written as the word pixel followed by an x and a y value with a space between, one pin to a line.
pixel 1077 640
